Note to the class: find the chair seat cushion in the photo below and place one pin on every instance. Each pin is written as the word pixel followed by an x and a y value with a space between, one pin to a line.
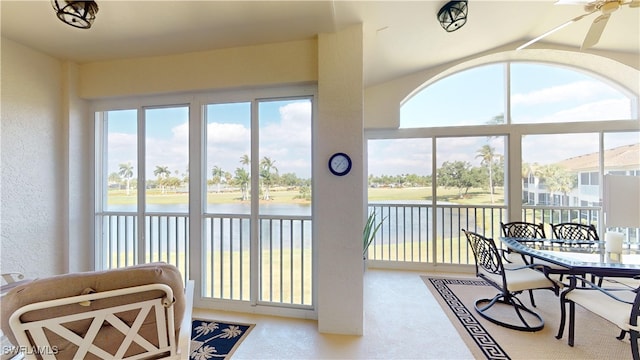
pixel 605 306
pixel 522 279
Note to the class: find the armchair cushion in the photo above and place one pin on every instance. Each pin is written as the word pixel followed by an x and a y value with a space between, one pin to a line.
pixel 605 306
pixel 73 284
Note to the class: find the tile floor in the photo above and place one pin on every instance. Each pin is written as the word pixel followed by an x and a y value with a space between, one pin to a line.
pixel 402 321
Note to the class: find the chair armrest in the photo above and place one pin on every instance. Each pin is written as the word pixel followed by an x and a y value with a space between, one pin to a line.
pixel 624 284
pixel 184 337
pixel 533 266
pixel 610 292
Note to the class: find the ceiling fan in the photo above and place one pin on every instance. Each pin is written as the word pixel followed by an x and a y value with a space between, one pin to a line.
pixel 604 7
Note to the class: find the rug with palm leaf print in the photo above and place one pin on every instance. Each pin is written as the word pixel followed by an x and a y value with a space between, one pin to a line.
pixel 211 339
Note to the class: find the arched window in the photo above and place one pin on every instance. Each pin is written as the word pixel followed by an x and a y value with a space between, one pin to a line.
pixel 503 141
pixel 518 93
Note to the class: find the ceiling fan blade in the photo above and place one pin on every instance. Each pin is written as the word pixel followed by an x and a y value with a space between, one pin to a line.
pixel 595 31
pixel 572 2
pixel 553 30
pixel 634 4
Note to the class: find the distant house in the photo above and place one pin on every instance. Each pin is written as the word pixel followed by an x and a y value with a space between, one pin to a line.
pixel 622 160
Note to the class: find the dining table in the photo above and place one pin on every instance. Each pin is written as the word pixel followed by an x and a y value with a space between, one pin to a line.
pixel 568 257
pixel 580 261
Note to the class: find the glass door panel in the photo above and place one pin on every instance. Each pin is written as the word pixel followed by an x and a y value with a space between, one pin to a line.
pixel 400 195
pixel 227 218
pixel 117 207
pixel 470 193
pixel 561 171
pixel 166 193
pixel 284 170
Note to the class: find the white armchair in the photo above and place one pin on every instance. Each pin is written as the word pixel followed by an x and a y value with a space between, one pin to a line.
pixel 131 313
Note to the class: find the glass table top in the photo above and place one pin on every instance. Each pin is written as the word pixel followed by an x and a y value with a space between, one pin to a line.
pixel 579 259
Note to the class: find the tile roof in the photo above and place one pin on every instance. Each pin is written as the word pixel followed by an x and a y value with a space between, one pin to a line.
pixel 620 158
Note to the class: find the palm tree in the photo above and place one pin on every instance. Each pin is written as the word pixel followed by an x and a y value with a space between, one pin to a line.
pixel 126 171
pixel 162 173
pixel 266 166
pixel 498 119
pixel 245 160
pixel 242 177
pixel 487 153
pixel 218 176
pixel 557 180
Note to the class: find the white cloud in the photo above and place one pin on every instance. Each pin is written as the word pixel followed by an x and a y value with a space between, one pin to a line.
pixel 614 109
pixel 549 149
pixel 172 153
pixel 583 90
pixel 228 134
pixel 399 156
pixel 288 142
pixel 122 150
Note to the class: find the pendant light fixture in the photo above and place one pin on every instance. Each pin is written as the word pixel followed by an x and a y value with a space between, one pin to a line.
pixel 78 14
pixel 453 15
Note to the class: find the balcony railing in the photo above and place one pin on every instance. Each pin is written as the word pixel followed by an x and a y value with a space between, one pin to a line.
pixel 408 230
pixel 284 258
pixel 166 239
pixel 410 233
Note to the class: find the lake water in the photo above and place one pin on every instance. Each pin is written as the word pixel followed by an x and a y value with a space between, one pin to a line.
pixel 226 208
pixel 411 222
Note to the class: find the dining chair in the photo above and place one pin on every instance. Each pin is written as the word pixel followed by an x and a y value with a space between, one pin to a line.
pixel 577 234
pixel 619 305
pixel 528 233
pixel 510 282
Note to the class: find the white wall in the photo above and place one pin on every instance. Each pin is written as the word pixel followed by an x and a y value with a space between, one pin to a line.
pixel 291 62
pixel 32 166
pixel 79 130
pixel 339 201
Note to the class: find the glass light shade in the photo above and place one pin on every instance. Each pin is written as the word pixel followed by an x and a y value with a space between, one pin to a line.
pixel 80 14
pixel 453 15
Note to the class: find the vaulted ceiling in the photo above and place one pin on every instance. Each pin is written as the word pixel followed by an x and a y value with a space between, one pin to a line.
pixel 400 37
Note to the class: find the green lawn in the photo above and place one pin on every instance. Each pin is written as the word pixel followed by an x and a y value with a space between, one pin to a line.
pixel 473 197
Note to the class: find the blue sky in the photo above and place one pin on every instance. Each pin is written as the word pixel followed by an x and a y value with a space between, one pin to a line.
pixel 285 136
pixel 539 94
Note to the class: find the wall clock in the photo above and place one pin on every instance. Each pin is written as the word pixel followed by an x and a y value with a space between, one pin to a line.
pixel 340 164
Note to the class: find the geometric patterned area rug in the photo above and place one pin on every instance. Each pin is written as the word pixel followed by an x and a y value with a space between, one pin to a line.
pixel 486 343
pixel 595 337
pixel 212 339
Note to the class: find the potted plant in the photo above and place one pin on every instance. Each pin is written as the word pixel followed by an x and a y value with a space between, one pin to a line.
pixel 369 233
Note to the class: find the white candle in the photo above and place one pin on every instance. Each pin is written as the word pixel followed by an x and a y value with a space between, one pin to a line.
pixel 613 242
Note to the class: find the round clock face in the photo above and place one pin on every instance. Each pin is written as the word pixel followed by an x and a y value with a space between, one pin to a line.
pixel 340 164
